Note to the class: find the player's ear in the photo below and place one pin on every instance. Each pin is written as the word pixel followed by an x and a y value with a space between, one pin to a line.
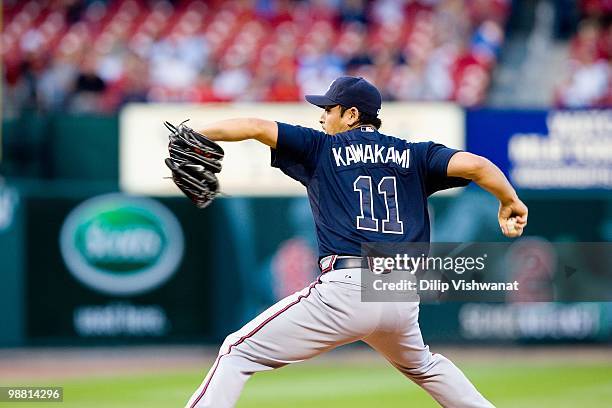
pixel 354 116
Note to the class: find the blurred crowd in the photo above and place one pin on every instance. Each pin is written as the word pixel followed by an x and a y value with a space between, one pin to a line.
pixel 589 83
pixel 95 56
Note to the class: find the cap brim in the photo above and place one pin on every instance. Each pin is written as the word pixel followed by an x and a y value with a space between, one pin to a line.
pixel 320 100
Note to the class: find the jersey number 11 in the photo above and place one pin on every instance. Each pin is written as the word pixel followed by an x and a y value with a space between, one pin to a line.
pixel 367 221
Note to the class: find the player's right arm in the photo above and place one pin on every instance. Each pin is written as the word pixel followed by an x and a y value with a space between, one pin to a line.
pixel 488 176
pixel 235 130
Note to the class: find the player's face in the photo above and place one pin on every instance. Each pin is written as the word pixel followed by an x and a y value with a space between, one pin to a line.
pixel 332 122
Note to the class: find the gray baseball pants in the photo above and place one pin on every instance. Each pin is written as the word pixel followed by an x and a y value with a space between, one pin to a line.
pixel 325 315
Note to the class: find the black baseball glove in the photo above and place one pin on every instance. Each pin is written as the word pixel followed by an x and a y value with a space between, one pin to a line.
pixel 194 161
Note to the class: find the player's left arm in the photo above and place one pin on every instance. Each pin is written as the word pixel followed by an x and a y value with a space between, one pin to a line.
pixel 235 130
pixel 512 214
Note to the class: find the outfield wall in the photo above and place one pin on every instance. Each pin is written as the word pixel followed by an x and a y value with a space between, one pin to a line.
pixel 81 263
pixel 92 269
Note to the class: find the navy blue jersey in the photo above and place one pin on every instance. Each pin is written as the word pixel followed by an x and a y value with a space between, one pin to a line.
pixel 364 186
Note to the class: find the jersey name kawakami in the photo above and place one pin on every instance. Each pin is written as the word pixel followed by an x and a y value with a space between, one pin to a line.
pixel 368 153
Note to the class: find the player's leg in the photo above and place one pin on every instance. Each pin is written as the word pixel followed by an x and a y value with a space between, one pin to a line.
pixel 296 328
pixel 399 340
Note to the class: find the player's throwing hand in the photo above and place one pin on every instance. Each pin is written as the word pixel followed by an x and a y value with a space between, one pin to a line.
pixel 512 218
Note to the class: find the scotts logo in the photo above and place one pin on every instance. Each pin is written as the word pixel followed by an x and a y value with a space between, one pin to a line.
pixel 121 245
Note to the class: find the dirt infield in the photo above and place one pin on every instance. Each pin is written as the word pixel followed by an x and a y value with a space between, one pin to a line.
pixel 59 363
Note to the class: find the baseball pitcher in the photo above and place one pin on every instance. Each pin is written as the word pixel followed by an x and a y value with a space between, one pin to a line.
pixel 363 186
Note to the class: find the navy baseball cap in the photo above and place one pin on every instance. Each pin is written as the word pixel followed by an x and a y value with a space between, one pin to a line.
pixel 350 91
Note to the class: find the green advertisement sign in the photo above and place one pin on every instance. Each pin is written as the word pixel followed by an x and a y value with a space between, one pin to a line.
pixel 116 267
pixel 120 245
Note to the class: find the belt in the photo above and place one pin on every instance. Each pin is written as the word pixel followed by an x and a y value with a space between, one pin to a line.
pixel 337 268
pixel 335 262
